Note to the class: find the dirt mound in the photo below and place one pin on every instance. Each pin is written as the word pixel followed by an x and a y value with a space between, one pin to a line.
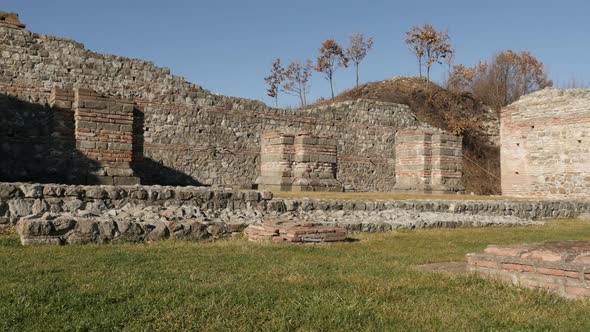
pixel 457 113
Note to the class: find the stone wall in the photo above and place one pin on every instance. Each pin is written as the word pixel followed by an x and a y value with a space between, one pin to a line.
pixel 545 145
pixel 184 134
pixel 428 160
pixel 10 20
pixel 300 162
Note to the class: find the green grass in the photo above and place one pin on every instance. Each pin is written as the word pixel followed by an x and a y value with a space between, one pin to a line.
pixel 234 285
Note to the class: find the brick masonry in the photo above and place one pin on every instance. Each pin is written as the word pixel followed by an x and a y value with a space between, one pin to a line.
pixel 299 162
pixel 545 145
pixel 562 267
pixel 103 133
pixel 428 160
pixel 294 232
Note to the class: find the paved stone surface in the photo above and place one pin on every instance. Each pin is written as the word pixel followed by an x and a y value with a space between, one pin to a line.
pixel 560 266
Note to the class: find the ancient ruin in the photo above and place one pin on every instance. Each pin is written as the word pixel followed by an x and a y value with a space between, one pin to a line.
pixel 545 145
pixel 181 133
pixel 561 267
pixel 10 20
pixel 300 162
pixel 294 232
pixel 429 161
pixel 126 151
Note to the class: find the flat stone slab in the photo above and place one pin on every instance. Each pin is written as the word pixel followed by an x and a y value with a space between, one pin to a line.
pixel 296 232
pixel 561 266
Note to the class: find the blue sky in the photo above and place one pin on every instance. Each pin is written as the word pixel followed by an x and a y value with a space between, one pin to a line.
pixel 228 46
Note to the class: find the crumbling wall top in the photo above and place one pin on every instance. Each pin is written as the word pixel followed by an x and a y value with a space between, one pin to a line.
pixel 10 20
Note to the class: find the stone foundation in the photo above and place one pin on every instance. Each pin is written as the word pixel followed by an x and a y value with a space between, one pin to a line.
pixel 562 267
pixel 429 161
pixel 295 232
pixel 300 162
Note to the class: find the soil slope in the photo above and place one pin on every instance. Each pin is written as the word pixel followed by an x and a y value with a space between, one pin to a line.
pixel 458 113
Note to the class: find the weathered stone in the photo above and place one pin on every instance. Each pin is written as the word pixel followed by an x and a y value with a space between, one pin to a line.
pixel 20 207
pixel 216 229
pixel 8 191
pixel 85 231
pixel 159 231
pixel 32 190
pixel 130 231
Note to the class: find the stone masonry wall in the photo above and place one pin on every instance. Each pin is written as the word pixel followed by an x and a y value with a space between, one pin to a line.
pixel 186 135
pixel 545 140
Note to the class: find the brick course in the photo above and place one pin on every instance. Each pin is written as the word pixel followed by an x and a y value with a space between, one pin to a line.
pixel 552 265
pixel 428 160
pixel 545 148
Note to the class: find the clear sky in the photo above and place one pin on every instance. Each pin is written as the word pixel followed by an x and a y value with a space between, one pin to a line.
pixel 228 46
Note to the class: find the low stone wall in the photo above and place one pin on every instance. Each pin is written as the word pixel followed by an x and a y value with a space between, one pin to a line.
pixel 529 209
pixel 18 200
pixel 561 267
pixel 53 213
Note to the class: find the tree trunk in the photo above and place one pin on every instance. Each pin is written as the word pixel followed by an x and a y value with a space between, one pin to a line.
pixel 357 75
pixel 277 101
pixel 427 72
pixel 420 66
pixel 331 86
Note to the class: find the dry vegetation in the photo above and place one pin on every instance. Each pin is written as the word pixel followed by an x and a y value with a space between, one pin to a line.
pixel 460 113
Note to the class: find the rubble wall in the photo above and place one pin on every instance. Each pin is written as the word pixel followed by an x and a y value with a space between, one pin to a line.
pixel 184 134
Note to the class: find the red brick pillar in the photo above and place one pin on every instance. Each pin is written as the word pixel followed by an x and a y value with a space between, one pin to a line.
pixel 104 135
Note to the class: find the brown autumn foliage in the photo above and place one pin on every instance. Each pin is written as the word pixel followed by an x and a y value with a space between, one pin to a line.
pixel 297 78
pixel 429 46
pixel 502 81
pixel 356 52
pixel 459 113
pixel 274 80
pixel 331 57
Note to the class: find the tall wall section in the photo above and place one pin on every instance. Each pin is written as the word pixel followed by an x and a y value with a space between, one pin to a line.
pixel 182 133
pixel 545 145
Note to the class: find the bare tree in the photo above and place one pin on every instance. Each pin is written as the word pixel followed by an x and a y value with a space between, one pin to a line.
pixel 506 78
pixel 429 46
pixel 297 80
pixel 356 52
pixel 331 56
pixel 274 80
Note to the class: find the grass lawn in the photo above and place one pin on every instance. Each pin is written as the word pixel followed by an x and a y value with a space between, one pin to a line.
pixel 369 284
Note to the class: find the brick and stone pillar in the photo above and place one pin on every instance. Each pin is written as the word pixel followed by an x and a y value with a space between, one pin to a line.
pixel 276 161
pixel 301 162
pixel 429 161
pixel 104 137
